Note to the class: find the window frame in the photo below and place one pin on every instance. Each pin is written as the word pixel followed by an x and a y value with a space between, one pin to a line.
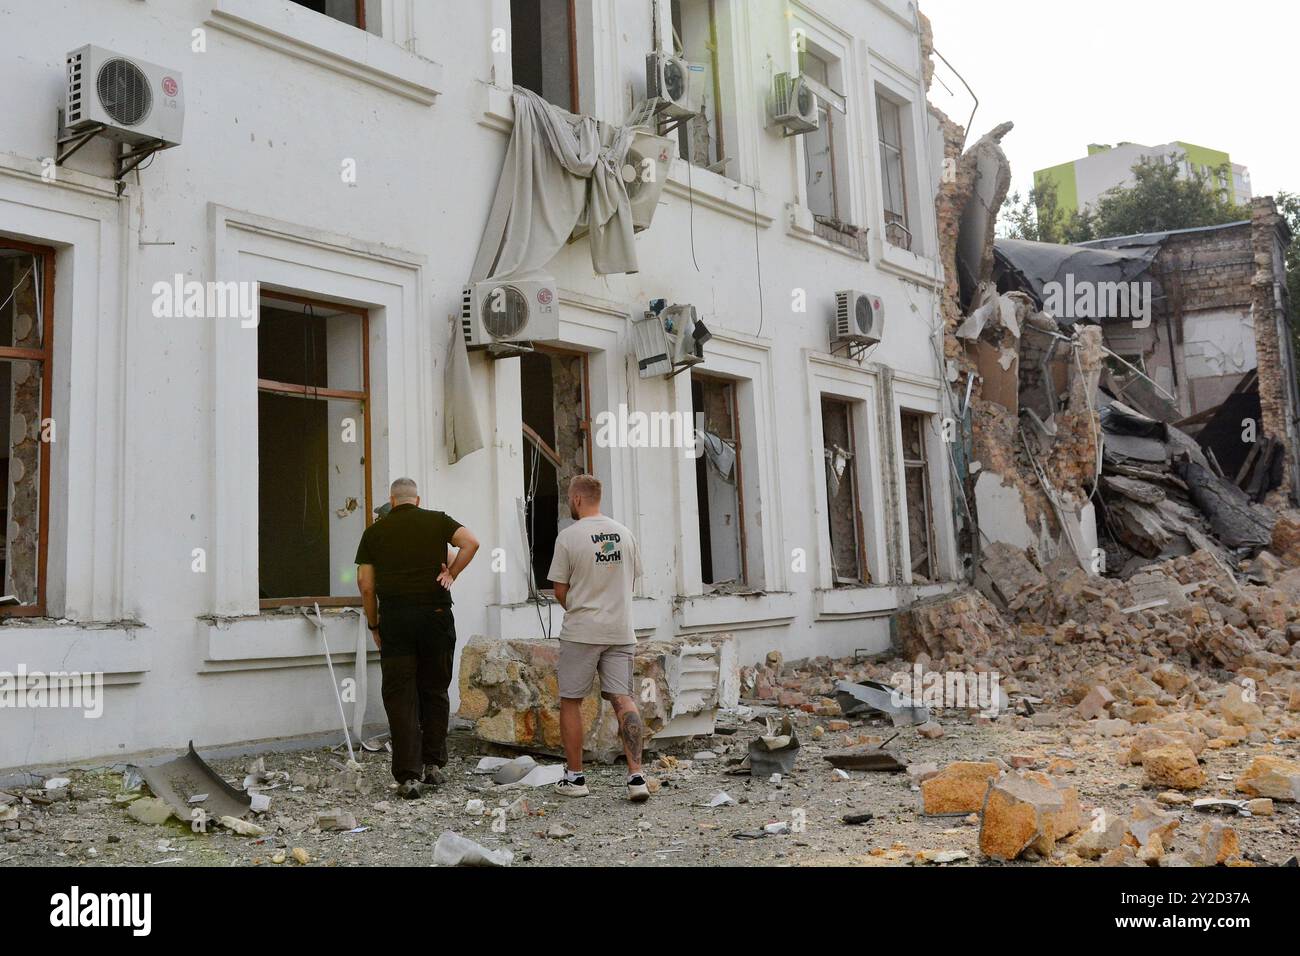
pixel 863 578
pixel 921 464
pixel 309 392
pixel 543 587
pixel 44 357
pixel 839 189
pixel 900 149
pixel 361 14
pixel 733 403
pixel 575 93
pixel 719 120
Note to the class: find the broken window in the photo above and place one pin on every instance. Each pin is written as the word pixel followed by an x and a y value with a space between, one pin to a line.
pixel 701 139
pixel 554 399
pixel 543 50
pixel 349 11
pixel 717 483
pixel 916 486
pixel 824 162
pixel 893 165
pixel 844 519
pixel 26 308
pixel 313 441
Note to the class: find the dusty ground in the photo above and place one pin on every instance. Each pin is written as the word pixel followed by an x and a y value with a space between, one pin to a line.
pixel 91 827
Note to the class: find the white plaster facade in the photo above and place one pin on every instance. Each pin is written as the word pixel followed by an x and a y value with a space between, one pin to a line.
pixel 157 448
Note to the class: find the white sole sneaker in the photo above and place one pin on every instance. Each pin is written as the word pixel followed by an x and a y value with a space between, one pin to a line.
pixel 566 789
pixel 638 792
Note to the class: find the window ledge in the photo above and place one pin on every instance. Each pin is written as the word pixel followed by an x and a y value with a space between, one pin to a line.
pixel 801 225
pixel 528 620
pixel 905 263
pixel 336 46
pixel 278 639
pixel 714 191
pixel 734 611
pixel 45 645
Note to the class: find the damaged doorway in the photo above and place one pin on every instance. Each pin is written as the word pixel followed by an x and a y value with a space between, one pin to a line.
pixel 26 333
pixel 916 488
pixel 843 515
pixel 555 400
pixel 718 485
pixel 313 449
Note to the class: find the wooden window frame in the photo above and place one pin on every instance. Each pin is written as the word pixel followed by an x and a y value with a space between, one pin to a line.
pixel 731 384
pixel 898 149
pixel 829 121
pixel 859 544
pixel 306 391
pixel 44 357
pixel 923 465
pixel 718 123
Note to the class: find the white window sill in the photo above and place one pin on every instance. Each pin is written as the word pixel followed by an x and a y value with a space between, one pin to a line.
pixel 734 611
pixel 714 191
pixel 801 225
pixel 905 263
pixel 118 651
pixel 332 44
pixel 525 621
pixel 271 639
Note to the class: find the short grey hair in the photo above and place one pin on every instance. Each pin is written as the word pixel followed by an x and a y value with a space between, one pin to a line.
pixel 404 489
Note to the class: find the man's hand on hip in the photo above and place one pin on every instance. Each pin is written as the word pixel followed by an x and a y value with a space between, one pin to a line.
pixel 445 577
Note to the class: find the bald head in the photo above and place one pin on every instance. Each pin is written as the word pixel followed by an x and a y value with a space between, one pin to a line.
pixel 404 492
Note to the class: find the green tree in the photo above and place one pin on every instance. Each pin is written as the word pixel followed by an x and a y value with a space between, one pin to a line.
pixel 1162 198
pixel 1040 218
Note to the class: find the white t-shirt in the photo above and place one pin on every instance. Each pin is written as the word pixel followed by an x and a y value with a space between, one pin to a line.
pixel 600 561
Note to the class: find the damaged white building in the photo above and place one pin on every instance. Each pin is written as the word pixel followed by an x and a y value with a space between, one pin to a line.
pixel 190 458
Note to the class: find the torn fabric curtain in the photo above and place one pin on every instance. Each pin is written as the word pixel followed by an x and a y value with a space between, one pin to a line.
pixel 460 423
pixel 556 169
pixel 720 454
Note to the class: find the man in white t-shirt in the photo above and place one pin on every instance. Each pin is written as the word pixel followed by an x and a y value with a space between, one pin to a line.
pixel 596 564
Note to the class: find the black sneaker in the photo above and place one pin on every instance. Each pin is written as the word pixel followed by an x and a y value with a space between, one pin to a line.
pixel 433 776
pixel 410 790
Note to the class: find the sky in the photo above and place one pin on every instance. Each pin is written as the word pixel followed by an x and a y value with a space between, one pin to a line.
pixel 1073 72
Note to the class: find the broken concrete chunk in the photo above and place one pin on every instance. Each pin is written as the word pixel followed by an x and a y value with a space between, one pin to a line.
pixel 958 788
pixel 1271 777
pixel 1021 812
pixel 452 849
pixel 1173 766
pixel 150 810
pixel 336 820
pixel 1096 704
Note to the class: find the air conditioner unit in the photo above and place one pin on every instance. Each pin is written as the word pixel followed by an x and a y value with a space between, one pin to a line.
pixel 859 319
pixel 668 79
pixel 686 334
pixel 135 102
pixel 645 170
pixel 794 105
pixel 521 310
pixel 653 349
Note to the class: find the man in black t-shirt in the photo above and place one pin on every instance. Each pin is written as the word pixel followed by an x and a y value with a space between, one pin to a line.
pixel 407 560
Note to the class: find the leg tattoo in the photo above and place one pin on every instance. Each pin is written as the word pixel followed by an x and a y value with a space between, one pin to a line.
pixel 631 730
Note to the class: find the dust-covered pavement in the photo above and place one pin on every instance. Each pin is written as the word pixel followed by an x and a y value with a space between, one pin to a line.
pixel 88 823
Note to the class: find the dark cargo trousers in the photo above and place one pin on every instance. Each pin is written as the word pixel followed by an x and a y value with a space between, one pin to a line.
pixel 416 654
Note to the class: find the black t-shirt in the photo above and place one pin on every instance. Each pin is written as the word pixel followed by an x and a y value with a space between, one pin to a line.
pixel 408 547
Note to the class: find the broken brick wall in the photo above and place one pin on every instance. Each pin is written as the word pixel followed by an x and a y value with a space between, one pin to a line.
pixel 1273 353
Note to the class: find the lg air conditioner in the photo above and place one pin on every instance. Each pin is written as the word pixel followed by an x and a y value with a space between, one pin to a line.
pixel 133 101
pixel 668 81
pixel 859 319
pixel 794 105
pixel 500 312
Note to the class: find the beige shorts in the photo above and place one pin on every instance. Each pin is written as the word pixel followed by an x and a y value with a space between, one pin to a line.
pixel 580 662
